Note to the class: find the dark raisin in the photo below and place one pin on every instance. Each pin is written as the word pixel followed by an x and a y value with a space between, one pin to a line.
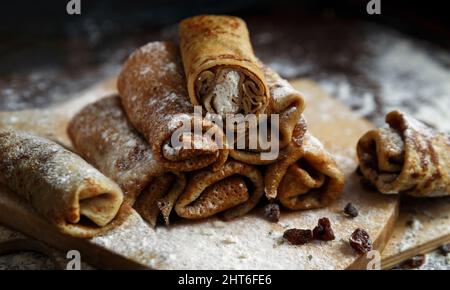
pixel 358 171
pixel 323 230
pixel 298 236
pixel 360 241
pixel 351 210
pixel 444 249
pixel 272 212
pixel 414 262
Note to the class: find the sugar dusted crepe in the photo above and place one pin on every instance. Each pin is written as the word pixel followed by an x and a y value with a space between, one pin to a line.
pixel 152 87
pixel 102 134
pixel 406 157
pixel 58 184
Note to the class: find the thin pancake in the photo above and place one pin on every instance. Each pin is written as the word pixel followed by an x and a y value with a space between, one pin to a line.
pixel 152 88
pixel 208 193
pixel 407 157
pixel 57 183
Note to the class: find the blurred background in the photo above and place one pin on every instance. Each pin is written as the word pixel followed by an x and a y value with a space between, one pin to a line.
pixel 374 63
pixel 399 59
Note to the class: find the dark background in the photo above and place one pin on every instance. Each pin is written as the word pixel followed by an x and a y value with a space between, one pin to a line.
pixel 47 55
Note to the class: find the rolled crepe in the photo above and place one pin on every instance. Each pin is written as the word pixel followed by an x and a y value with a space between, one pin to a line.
pixel 58 184
pixel 406 157
pixel 102 134
pixel 222 72
pixel 289 104
pixel 233 191
pixel 153 92
pixel 160 197
pixel 306 178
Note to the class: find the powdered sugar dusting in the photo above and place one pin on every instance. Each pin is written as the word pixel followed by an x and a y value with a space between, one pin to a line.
pixel 177 120
pixel 226 88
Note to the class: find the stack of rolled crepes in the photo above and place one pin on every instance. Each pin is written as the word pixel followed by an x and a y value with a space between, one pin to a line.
pixel 130 137
pixel 133 139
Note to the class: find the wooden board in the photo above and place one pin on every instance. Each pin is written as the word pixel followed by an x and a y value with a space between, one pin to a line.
pixel 423 225
pixel 249 242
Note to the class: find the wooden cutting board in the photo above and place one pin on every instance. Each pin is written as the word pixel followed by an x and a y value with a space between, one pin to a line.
pixel 249 242
pixel 423 225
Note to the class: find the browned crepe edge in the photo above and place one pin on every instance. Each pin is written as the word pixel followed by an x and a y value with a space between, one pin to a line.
pixel 254 157
pixel 216 34
pixel 313 152
pixel 200 181
pixel 160 197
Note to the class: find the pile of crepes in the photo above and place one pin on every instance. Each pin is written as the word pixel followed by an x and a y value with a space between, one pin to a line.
pixel 129 160
pixel 128 137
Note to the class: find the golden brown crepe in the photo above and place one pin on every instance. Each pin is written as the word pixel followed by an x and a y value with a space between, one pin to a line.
pixel 222 72
pixel 289 104
pixel 153 92
pixel 70 193
pixel 102 134
pixel 406 157
pixel 306 178
pixel 234 191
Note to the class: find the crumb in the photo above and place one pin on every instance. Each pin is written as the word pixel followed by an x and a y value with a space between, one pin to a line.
pixel 272 212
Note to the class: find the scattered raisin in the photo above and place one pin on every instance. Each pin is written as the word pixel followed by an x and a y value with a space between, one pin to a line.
pixel 444 249
pixel 351 210
pixel 358 171
pixel 298 236
pixel 323 230
pixel 272 212
pixel 413 263
pixel 360 241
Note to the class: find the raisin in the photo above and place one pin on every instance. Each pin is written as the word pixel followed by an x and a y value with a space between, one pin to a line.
pixel 360 241
pixel 272 212
pixel 298 236
pixel 414 262
pixel 351 210
pixel 444 249
pixel 323 230
pixel 358 171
